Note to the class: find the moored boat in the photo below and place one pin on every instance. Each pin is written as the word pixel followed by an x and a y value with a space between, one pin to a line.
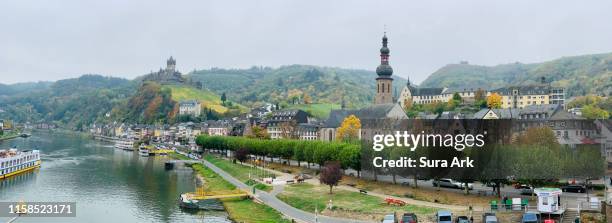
pixel 125 144
pixel 186 201
pixel 143 150
pixel 13 162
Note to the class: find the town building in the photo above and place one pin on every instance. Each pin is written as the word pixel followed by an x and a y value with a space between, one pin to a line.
pixel 261 111
pixel 605 140
pixel 538 94
pixel 190 107
pixel 218 128
pixel 512 96
pixel 284 123
pixel 569 129
pixel 307 131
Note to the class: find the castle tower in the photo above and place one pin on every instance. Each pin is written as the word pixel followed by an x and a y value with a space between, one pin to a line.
pixel 384 81
pixel 171 65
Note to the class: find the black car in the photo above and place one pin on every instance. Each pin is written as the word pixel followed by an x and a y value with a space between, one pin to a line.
pixel 574 188
pixel 462 219
pixel 409 218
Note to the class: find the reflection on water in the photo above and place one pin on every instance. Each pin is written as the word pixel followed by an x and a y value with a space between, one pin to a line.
pixel 107 184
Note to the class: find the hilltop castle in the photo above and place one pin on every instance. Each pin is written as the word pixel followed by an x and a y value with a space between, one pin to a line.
pixel 170 75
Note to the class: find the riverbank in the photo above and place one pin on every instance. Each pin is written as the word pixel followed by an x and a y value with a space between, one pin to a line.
pixel 7 137
pixel 246 211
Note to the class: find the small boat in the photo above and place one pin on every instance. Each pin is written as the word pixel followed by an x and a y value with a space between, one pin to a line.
pixel 143 151
pixel 169 165
pixel 25 135
pixel 185 201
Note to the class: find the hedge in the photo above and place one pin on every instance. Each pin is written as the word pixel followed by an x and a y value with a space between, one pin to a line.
pixel 317 152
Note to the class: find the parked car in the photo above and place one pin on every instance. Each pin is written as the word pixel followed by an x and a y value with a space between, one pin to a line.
pixel 530 217
pixel 390 218
pixel 409 218
pixel 525 189
pixel 489 218
pixel 462 219
pixel 574 188
pixel 444 182
pixel 444 217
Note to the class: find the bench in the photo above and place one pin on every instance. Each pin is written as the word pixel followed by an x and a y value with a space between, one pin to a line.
pixel 363 191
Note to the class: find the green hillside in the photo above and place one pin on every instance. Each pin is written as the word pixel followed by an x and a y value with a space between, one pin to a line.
pixel 325 85
pixel 580 75
pixel 320 111
pixel 207 98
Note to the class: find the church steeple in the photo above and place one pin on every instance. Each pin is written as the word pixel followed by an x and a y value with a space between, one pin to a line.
pixel 384 71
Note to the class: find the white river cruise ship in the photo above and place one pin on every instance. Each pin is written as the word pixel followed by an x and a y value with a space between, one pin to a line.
pixel 13 162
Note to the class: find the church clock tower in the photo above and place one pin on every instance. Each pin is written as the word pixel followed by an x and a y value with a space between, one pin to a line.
pixel 384 81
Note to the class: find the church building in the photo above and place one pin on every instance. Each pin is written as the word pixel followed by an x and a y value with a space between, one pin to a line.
pixel 384 109
pixel 384 81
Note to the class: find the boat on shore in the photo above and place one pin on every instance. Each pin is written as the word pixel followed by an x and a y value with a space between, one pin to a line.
pixel 13 162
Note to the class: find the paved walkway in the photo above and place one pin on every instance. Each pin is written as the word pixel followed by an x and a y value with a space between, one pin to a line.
pixel 273 202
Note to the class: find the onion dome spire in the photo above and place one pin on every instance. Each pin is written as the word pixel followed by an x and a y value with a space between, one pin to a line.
pixel 384 69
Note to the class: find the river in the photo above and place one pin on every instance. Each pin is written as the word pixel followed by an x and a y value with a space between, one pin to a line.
pixel 108 185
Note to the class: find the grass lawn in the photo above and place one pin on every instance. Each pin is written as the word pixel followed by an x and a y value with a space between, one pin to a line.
pixel 178 156
pixel 213 182
pixel 9 135
pixel 241 172
pixel 316 110
pixel 249 211
pixel 239 210
pixel 421 193
pixel 207 98
pixel 307 196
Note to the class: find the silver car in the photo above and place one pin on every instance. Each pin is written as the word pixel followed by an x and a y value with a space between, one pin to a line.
pixel 390 218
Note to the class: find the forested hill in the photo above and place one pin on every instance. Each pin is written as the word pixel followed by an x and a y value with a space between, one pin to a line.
pixel 74 102
pixel 78 102
pixel 324 85
pixel 7 90
pixel 581 75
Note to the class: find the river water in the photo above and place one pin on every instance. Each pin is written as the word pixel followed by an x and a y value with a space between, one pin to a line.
pixel 108 185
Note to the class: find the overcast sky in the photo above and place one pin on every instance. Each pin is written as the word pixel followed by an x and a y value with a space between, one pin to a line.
pixel 51 40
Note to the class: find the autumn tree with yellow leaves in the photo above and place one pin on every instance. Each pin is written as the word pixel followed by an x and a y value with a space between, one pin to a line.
pixel 494 101
pixel 349 129
pixel 307 98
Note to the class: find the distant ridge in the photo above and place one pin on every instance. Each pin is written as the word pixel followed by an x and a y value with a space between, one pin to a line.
pixel 580 75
